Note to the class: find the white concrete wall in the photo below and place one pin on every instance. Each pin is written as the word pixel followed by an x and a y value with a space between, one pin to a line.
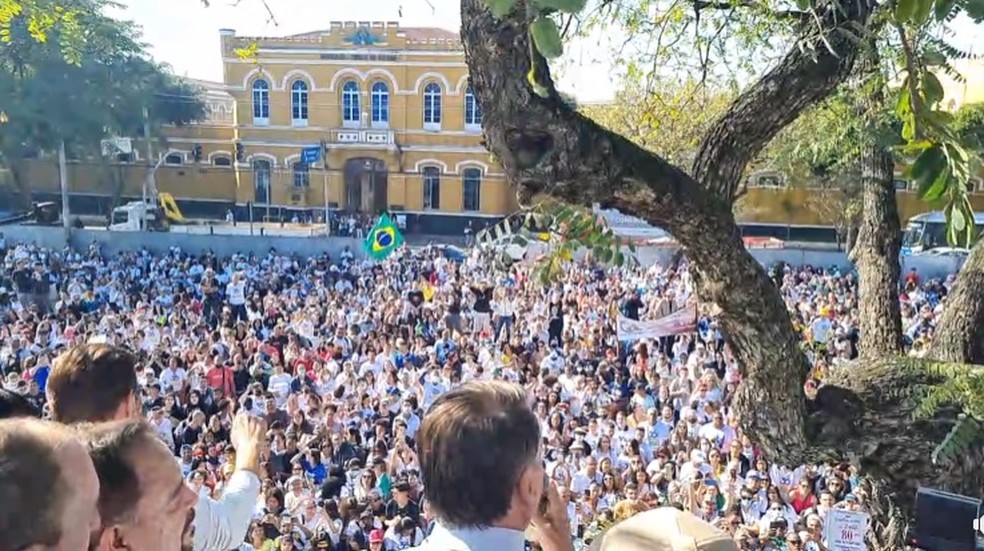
pixel 224 245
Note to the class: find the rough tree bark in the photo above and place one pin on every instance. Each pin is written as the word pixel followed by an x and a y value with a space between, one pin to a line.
pixel 960 330
pixel 546 147
pixel 876 252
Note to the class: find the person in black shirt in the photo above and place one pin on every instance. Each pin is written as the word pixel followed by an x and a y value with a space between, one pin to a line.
pixel 400 505
pixel 555 328
pixel 482 317
pixel 632 306
pixel 211 302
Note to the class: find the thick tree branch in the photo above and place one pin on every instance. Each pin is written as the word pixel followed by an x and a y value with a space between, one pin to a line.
pixel 866 415
pixel 876 252
pixel 544 146
pixel 807 74
pixel 960 330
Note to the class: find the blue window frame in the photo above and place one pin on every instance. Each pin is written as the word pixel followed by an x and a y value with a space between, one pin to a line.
pixel 380 103
pixel 351 111
pixel 432 104
pixel 261 99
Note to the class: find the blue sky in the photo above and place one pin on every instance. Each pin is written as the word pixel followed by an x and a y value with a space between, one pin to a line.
pixel 184 33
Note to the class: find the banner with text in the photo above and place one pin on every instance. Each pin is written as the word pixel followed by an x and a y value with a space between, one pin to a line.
pixel 681 321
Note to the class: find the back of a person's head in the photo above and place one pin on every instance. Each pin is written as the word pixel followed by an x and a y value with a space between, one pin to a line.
pixel 13 405
pixel 89 383
pixel 474 444
pixel 111 446
pixel 33 491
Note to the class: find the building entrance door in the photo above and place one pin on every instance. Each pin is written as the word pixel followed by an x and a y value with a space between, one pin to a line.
pixel 366 185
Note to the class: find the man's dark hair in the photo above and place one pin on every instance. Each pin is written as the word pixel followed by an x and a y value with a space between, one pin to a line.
pixel 88 383
pixel 473 445
pixel 111 446
pixel 32 487
pixel 14 405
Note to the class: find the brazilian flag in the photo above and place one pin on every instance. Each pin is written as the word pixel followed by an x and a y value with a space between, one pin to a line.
pixel 383 238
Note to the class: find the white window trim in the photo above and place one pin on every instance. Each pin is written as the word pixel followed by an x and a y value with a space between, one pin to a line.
pixel 380 125
pixel 261 121
pixel 174 154
pixel 432 126
pixel 470 127
pixel 299 123
pixel 351 124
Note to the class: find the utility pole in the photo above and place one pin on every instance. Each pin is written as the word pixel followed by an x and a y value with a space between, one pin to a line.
pixel 150 167
pixel 63 178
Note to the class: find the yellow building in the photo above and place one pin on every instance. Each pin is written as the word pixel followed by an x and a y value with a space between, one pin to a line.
pixel 392 112
pixel 390 107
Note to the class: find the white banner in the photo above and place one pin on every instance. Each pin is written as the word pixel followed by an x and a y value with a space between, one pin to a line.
pixel 681 321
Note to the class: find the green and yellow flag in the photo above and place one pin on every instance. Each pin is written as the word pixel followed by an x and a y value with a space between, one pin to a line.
pixel 383 238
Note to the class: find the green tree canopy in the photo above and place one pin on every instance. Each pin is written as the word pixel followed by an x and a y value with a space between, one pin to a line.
pixel 50 94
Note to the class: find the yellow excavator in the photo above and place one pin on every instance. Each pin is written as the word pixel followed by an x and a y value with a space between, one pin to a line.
pixel 160 215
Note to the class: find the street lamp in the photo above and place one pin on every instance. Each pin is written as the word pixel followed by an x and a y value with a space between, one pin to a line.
pixel 4 119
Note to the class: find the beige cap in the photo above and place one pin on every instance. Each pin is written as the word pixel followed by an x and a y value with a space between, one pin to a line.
pixel 663 529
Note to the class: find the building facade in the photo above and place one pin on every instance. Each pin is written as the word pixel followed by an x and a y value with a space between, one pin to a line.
pixel 391 112
pixel 389 109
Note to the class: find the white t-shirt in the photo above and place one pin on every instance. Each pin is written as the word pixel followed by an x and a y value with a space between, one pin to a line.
pixel 236 293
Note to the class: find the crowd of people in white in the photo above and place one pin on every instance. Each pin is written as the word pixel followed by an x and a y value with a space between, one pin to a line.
pixel 341 358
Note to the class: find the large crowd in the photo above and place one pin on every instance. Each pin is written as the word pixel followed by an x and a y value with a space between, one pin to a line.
pixel 342 357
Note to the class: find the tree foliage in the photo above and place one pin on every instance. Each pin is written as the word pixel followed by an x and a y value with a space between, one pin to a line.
pixel 50 97
pixel 670 119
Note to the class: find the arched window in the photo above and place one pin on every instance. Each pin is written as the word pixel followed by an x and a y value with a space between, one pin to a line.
pixel 432 106
pixel 473 113
pixel 432 187
pixel 471 183
pixel 299 103
pixel 380 104
pixel 350 103
pixel 261 102
pixel 221 160
pixel 174 159
pixel 302 174
pixel 261 181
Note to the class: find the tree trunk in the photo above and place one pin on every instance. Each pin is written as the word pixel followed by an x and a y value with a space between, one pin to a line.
pixel 876 253
pixel 546 147
pixel 863 414
pixel 960 332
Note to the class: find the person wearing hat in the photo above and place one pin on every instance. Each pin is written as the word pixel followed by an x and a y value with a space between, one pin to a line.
pixel 663 529
pixel 376 538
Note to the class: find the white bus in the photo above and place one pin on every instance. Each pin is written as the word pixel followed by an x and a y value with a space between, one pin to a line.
pixel 926 232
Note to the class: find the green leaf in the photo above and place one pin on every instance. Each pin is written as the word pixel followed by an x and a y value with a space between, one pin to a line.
pixel 546 36
pixel 566 6
pixel 937 187
pixel 927 166
pixel 538 88
pixel 974 10
pixel 619 259
pixel 803 4
pixel 922 10
pixel 943 8
pixel 500 8
pixel 932 88
pixel 958 220
pixel 904 10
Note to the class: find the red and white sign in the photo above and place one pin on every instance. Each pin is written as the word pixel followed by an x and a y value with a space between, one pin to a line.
pixel 845 530
pixel 681 321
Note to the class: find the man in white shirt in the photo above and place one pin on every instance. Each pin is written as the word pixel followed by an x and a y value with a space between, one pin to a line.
pixel 236 296
pixel 82 371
